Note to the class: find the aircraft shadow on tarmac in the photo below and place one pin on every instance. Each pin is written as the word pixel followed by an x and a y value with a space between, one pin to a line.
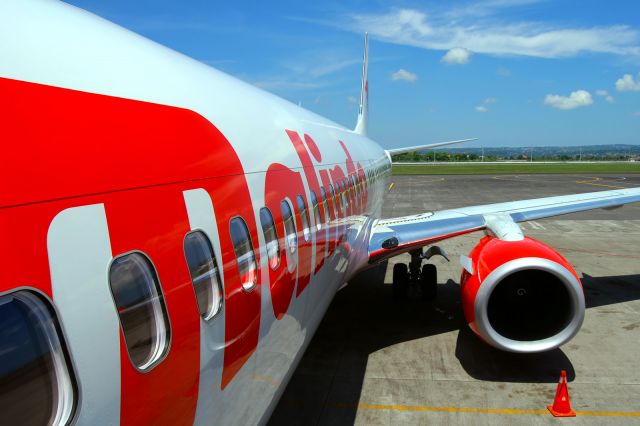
pixel 363 319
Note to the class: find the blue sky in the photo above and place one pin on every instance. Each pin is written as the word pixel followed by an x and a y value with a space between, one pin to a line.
pixel 511 72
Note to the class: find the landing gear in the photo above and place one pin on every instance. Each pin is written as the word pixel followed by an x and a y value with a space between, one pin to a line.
pixel 424 277
pixel 429 281
pixel 400 281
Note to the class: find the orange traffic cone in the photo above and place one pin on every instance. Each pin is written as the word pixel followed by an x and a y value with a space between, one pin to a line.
pixel 561 405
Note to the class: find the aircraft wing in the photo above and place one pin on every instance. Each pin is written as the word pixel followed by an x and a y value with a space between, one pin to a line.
pixel 390 237
pixel 395 151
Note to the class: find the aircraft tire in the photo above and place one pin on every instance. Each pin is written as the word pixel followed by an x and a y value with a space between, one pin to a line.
pixel 400 281
pixel 429 282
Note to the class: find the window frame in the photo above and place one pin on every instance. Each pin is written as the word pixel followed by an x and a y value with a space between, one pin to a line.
pixel 253 254
pixel 166 324
pixel 277 239
pixel 334 200
pixel 304 217
pixel 345 195
pixel 61 358
pixel 316 210
pixel 220 307
pixel 285 234
pixel 354 188
pixel 325 205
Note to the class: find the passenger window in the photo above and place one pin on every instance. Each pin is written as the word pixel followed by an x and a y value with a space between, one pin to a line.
pixel 334 199
pixel 291 239
pixel 204 273
pixel 316 210
pixel 325 204
pixel 245 256
pixel 354 187
pixel 304 217
pixel 36 383
pixel 345 197
pixel 270 238
pixel 140 304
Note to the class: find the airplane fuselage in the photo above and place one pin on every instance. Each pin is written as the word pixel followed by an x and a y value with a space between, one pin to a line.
pixel 121 146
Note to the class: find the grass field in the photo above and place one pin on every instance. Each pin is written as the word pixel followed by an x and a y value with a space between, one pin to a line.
pixel 525 168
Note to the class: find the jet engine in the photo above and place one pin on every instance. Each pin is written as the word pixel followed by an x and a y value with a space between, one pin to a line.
pixel 521 296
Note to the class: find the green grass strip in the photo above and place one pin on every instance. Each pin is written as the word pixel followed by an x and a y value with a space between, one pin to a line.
pixel 525 168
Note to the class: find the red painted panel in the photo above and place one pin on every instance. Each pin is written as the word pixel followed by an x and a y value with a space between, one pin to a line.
pixel 155 221
pixel 80 143
pixel 90 136
pixel 23 247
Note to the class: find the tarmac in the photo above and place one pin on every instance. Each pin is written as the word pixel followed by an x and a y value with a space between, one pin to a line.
pixel 374 361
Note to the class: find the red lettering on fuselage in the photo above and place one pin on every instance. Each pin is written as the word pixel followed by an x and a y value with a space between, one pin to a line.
pixel 333 209
pixel 314 185
pixel 282 184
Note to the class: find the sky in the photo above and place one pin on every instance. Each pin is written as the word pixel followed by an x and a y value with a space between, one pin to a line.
pixel 510 72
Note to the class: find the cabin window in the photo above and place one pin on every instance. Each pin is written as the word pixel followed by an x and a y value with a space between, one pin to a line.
pixel 343 190
pixel 245 257
pixel 304 217
pixel 354 188
pixel 334 198
pixel 325 204
pixel 205 275
pixel 316 210
pixel 270 238
pixel 140 304
pixel 37 386
pixel 291 238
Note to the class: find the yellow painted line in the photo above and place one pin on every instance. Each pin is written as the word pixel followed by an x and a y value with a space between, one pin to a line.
pixel 596 179
pixel 266 379
pixel 609 413
pixel 505 411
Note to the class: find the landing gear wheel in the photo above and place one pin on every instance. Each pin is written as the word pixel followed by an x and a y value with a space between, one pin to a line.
pixel 429 281
pixel 400 281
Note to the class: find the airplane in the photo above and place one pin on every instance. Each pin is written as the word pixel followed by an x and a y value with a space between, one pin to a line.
pixel 171 236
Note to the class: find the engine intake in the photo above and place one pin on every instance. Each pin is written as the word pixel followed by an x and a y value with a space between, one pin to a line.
pixel 521 296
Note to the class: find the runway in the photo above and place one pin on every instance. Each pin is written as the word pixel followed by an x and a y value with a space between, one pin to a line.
pixel 374 361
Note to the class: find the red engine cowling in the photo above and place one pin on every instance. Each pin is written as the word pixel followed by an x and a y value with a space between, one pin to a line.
pixel 521 296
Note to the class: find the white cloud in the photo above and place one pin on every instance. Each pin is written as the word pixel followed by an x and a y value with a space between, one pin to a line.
pixel 628 84
pixel 404 75
pixel 457 56
pixel 352 99
pixel 492 32
pixel 604 94
pixel 577 99
pixel 320 63
pixel 483 106
pixel 637 113
pixel 504 72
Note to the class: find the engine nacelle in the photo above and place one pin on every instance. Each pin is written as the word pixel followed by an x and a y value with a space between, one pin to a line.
pixel 521 296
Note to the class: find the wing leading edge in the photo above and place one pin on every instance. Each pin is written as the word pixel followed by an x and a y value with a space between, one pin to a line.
pixel 395 151
pixel 390 237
